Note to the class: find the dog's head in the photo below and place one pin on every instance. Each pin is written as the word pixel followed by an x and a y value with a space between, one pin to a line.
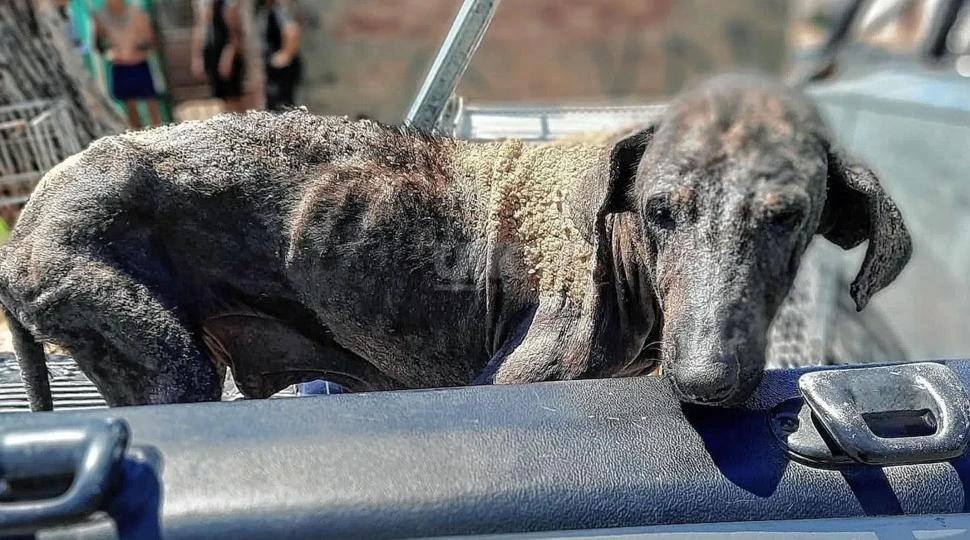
pixel 729 186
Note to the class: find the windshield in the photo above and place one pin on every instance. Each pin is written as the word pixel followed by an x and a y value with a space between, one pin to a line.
pixel 894 91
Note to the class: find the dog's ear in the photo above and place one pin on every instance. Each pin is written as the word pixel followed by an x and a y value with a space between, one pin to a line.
pixel 625 155
pixel 858 209
pixel 610 188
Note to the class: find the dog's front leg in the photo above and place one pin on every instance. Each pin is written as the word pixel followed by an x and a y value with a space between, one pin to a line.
pixel 554 343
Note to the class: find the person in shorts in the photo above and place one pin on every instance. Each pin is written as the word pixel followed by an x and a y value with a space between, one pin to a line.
pixel 124 34
pixel 280 35
pixel 217 51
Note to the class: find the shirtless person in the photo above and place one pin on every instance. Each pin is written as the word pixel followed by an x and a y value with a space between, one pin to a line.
pixel 125 35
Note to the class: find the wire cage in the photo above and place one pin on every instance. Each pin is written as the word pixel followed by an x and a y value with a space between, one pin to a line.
pixel 34 136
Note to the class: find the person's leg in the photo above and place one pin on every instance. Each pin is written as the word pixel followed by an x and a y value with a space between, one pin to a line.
pixel 143 88
pixel 287 89
pixel 234 104
pixel 288 94
pixel 293 81
pixel 271 88
pixel 121 91
pixel 131 108
pixel 154 112
pixel 134 83
pixel 235 100
pixel 218 88
pixel 281 86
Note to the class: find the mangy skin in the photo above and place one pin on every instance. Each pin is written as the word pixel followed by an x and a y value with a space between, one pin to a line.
pixel 294 246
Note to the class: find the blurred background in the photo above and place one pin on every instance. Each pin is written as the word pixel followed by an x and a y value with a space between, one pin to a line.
pixel 368 57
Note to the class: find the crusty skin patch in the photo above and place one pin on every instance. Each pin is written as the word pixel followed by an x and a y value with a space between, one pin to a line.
pixel 524 188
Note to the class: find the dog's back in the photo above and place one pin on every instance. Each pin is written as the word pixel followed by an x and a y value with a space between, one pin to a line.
pixel 247 209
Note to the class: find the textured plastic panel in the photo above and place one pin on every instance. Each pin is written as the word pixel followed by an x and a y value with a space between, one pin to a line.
pixel 492 459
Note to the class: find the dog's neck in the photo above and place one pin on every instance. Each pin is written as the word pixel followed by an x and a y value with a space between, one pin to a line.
pixel 524 193
pixel 538 205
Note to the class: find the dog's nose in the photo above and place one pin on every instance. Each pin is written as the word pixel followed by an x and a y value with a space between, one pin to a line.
pixel 710 382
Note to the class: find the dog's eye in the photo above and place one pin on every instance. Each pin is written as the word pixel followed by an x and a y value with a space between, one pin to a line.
pixel 660 214
pixel 784 221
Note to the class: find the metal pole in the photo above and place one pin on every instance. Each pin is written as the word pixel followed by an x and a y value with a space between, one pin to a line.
pixel 944 19
pixel 827 57
pixel 449 65
pixel 843 27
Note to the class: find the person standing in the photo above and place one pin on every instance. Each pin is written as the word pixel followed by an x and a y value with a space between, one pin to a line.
pixel 217 50
pixel 125 36
pixel 280 35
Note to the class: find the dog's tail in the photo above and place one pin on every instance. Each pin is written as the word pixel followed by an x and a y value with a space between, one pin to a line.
pixel 33 364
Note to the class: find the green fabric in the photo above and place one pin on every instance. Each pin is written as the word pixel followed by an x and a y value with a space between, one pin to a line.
pixel 82 15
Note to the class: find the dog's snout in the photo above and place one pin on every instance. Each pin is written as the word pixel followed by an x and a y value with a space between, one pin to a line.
pixel 710 380
pixel 708 384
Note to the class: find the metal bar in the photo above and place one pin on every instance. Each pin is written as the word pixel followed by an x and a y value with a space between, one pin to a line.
pixel 945 17
pixel 34 136
pixel 843 26
pixel 19 178
pixel 449 65
pixel 69 141
pixel 827 57
pixel 10 201
pixel 12 125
